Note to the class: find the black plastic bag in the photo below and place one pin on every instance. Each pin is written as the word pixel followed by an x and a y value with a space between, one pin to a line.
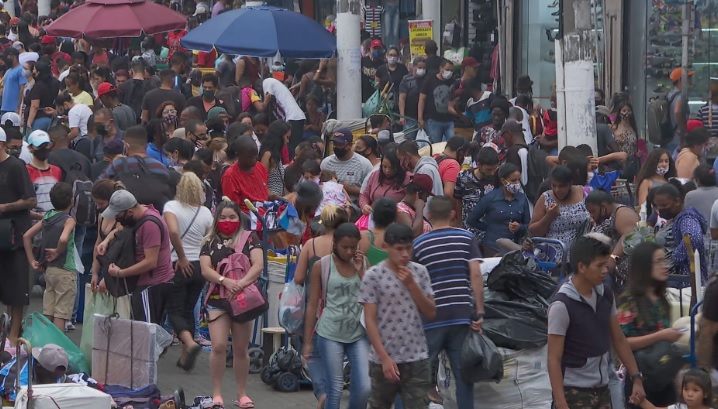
pixel 516 324
pixel 480 359
pixel 520 277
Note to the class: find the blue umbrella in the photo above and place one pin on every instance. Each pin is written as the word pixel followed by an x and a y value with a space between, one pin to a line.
pixel 261 32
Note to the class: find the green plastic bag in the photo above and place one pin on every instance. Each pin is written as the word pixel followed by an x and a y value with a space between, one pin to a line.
pixel 372 105
pixel 40 331
pixel 102 304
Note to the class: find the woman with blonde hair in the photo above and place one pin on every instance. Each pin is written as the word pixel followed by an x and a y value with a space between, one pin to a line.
pixel 188 221
pixel 227 234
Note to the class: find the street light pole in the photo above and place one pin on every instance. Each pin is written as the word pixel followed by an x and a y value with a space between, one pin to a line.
pixel 348 60
pixel 575 76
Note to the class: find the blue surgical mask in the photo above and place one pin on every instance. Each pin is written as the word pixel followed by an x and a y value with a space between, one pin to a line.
pixel 376 54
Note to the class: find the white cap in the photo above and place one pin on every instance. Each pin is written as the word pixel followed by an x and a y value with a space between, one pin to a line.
pixel 38 138
pixel 3 136
pixel 201 9
pixel 12 117
pixel 28 57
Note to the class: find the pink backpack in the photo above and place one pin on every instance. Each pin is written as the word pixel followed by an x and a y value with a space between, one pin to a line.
pixel 251 302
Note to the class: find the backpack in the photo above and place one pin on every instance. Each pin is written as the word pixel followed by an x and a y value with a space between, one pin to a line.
pixel 249 303
pixel 537 172
pixel 230 96
pixel 8 376
pixel 147 187
pixel 658 117
pixel 440 158
pixel 83 210
pixel 121 251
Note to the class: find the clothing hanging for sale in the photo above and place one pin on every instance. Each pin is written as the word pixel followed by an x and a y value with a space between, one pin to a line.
pixel 372 20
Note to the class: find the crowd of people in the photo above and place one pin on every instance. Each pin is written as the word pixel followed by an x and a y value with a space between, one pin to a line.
pixel 169 143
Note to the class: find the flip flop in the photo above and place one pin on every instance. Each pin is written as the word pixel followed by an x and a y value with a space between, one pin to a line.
pixel 192 358
pixel 244 403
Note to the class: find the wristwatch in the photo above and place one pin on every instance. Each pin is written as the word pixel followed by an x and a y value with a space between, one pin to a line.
pixel 477 316
pixel 635 376
pixel 615 257
pixel 221 279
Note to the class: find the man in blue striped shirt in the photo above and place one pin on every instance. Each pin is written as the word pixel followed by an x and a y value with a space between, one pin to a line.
pixel 452 258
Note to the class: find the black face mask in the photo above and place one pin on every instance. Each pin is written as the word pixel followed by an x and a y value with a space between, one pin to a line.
pixel 41 154
pixel 101 129
pixel 208 95
pixel 341 152
pixel 14 152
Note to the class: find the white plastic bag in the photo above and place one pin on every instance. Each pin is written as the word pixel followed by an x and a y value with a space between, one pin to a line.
pixel 422 138
pixel 292 307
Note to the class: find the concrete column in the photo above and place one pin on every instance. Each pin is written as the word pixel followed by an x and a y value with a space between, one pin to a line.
pixel 10 7
pixel 431 10
pixel 43 7
pixel 348 60
pixel 576 73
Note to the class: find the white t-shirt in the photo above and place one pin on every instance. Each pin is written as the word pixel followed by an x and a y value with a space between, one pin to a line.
pixel 285 99
pixel 192 241
pixel 78 117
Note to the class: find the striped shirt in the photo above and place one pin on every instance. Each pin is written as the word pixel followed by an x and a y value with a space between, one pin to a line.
pixel 446 254
pixel 708 114
pixel 133 166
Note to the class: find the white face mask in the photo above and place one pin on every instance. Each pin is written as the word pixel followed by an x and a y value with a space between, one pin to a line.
pixel 513 188
pixel 447 74
pixel 660 171
pixel 391 60
pixel 420 72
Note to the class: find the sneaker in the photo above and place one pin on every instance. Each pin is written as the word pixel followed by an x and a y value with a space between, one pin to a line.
pixel 175 340
pixel 202 341
pixel 69 326
pixel 37 290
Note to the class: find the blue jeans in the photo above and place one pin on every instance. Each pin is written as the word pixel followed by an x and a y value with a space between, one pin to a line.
pixel 315 367
pixel 413 128
pixel 41 123
pixel 80 232
pixel 333 356
pixel 615 386
pixel 439 131
pixel 390 25
pixel 451 340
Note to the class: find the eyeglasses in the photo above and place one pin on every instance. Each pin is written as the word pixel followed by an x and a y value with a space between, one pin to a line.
pixel 170 111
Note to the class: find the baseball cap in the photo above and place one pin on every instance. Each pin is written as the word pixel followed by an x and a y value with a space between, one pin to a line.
pixel 216 112
pixel 376 43
pixel 3 135
pixel 114 147
pixel 46 39
pixel 51 357
pixel 38 138
pixel 423 181
pixel 511 125
pixel 120 201
pixel 342 136
pixel 603 110
pixel 693 124
pixel 678 73
pixel 13 117
pixel 105 88
pixel 14 20
pixel 469 62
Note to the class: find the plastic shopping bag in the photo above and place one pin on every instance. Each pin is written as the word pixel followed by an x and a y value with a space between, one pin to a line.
pixel 40 331
pixel 365 222
pixel 371 106
pixel 291 307
pixel 422 137
pixel 480 359
pixel 102 304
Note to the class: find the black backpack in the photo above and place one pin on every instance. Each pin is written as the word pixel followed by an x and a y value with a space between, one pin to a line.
pixel 121 252
pixel 537 172
pixel 658 117
pixel 83 210
pixel 147 187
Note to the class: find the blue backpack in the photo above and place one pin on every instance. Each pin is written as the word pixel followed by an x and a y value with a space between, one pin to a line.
pixel 8 377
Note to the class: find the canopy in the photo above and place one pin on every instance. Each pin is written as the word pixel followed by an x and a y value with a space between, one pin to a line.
pixel 261 32
pixel 116 18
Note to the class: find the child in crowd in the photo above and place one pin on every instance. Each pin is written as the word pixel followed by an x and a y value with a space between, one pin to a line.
pixel 57 255
pixel 396 294
pixel 334 192
pixel 696 392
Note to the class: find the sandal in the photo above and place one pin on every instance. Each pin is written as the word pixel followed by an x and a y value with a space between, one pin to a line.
pixel 244 403
pixel 191 358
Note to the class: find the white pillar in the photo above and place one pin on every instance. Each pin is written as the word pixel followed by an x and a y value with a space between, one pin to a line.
pixel 43 7
pixel 348 60
pixel 577 75
pixel 10 7
pixel 431 10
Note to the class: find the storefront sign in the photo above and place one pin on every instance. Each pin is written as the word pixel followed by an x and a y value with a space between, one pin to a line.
pixel 420 31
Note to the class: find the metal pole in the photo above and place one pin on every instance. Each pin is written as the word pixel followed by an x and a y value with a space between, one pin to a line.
pixel 686 32
pixel 43 7
pixel 348 60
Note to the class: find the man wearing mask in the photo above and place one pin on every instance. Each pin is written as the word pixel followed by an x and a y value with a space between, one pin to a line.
pixel 369 65
pixel 125 116
pixel 49 48
pixel 524 86
pixel 17 197
pixel 13 82
pixel 16 145
pixel 436 113
pixel 409 90
pixel 351 168
pixel 42 175
pixel 207 100
pixel 106 131
pixel 134 89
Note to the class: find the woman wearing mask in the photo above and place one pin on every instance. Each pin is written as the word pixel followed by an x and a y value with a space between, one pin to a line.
pixel 659 167
pixel 490 135
pixel 675 220
pixel 391 74
pixel 336 279
pixel 625 133
pixel 274 142
pixel 384 213
pixel 502 213
pixel 368 147
pixel 707 192
pixel 156 138
pixel 226 235
pixel 695 148
pixel 314 249
pixel 168 113
pixel 560 213
pixel 389 181
pixel 188 221
pixel 42 96
pixel 644 311
pixel 473 184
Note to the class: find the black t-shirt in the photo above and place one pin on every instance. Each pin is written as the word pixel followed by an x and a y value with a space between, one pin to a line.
pixel 368 72
pixel 156 97
pixel 217 251
pixel 66 159
pixel 388 76
pixel 133 93
pixel 411 86
pixel 46 93
pixel 433 65
pixel 437 99
pixel 98 168
pixel 15 185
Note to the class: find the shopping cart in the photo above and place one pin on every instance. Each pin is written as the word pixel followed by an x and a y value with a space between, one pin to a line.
pixel 551 256
pixel 692 356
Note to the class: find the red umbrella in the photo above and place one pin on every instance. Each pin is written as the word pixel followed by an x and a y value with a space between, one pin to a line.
pixel 116 18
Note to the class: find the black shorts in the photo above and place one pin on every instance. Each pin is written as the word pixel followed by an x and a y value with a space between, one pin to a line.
pixel 710 300
pixel 14 278
pixel 149 304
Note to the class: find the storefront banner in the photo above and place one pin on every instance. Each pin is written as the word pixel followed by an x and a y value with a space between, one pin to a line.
pixel 420 31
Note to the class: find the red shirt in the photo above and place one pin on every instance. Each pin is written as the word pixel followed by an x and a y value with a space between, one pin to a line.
pixel 239 185
pixel 173 42
pixel 448 169
pixel 206 60
pixel 54 57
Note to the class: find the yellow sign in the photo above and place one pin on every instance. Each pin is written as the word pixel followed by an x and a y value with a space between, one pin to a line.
pixel 420 31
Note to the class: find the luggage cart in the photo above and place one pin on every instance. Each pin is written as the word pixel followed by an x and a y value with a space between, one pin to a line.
pixel 692 356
